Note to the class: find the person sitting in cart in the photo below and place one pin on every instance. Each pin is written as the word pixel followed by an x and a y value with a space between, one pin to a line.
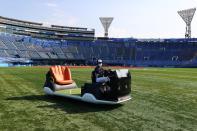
pixel 98 75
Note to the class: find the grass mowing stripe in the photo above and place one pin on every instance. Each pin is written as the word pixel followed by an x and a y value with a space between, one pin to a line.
pixel 163 99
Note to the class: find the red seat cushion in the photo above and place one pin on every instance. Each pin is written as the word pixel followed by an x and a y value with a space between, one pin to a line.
pixel 61 75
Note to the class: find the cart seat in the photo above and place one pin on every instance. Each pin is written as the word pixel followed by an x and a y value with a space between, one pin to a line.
pixel 61 75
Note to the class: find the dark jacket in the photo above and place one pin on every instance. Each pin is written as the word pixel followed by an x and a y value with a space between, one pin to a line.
pixel 98 72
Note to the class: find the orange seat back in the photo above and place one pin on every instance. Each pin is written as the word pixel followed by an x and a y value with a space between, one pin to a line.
pixel 61 73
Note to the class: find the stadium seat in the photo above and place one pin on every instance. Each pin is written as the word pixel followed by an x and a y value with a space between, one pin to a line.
pixel 61 75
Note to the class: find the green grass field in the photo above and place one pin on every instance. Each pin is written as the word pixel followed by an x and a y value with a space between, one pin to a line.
pixel 163 99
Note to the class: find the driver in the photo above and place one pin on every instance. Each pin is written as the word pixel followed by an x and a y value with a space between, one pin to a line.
pixel 98 73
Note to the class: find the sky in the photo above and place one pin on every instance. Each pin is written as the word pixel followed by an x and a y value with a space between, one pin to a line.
pixel 132 18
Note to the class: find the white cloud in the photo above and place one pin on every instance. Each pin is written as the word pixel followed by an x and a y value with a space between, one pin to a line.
pixel 72 21
pixel 59 16
pixel 64 21
pixel 51 4
pixel 118 32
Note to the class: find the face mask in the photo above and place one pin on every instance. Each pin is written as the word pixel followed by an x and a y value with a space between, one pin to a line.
pixel 100 64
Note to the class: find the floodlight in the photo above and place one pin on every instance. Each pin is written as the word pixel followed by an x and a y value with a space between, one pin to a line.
pixel 106 22
pixel 187 16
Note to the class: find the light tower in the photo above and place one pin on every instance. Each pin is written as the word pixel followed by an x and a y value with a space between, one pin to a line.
pixel 106 22
pixel 187 16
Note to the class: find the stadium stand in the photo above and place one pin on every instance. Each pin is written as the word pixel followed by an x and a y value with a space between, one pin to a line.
pixel 34 55
pixel 53 45
pixel 3 53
